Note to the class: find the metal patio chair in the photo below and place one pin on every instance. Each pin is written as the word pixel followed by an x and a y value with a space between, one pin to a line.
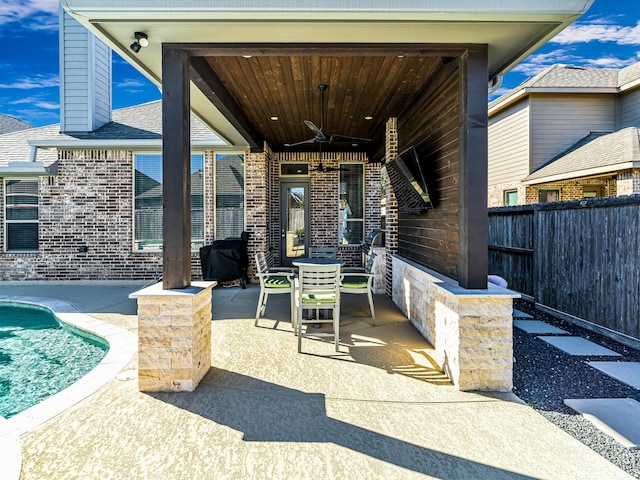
pixel 272 282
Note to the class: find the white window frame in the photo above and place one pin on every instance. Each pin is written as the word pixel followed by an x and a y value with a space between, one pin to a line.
pixel 7 221
pixel 194 245
pixel 364 205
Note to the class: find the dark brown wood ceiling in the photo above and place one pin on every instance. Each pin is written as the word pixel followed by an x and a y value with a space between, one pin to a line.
pixel 264 86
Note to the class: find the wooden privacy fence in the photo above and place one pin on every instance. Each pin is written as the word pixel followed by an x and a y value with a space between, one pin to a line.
pixel 581 258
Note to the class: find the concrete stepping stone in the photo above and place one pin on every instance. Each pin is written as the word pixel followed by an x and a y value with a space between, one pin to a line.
pixel 626 372
pixel 617 417
pixel 579 346
pixel 519 314
pixel 536 326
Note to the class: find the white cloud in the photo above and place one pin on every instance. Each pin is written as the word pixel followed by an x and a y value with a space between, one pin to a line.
pixel 45 10
pixel 48 105
pixel 129 83
pixel 599 32
pixel 538 62
pixel 29 83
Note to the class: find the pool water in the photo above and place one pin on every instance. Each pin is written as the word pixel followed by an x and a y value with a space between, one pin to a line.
pixel 39 356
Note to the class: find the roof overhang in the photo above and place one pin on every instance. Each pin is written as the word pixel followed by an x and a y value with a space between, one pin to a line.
pixel 154 144
pixel 511 30
pixel 28 169
pixel 590 172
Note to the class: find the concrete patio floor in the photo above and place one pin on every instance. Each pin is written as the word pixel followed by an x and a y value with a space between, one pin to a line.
pixel 377 409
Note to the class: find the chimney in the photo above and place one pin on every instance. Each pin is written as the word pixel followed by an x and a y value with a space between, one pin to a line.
pixel 85 78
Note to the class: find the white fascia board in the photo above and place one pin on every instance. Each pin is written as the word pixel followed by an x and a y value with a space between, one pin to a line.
pixel 630 86
pixel 554 90
pixel 28 169
pixel 516 10
pixel 198 145
pixel 507 101
pixel 590 172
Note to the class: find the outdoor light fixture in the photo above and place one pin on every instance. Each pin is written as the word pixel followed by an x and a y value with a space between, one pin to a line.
pixel 142 41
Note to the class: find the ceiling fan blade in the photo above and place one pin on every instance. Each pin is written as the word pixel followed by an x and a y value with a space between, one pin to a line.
pixel 346 139
pixel 311 140
pixel 320 136
pixel 334 169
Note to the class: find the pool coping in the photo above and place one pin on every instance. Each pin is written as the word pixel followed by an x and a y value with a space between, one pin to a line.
pixel 123 345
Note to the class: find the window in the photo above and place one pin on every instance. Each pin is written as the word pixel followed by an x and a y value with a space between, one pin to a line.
pixel 148 201
pixel 591 191
pixel 21 215
pixel 229 195
pixel 351 209
pixel 548 196
pixel 510 198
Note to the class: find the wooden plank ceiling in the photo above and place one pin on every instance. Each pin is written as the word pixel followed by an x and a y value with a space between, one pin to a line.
pixel 286 87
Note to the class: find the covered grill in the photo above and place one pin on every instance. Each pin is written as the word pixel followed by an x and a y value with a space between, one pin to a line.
pixel 375 238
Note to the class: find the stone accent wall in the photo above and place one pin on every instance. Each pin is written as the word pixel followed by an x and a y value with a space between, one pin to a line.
pixel 470 330
pixel 391 208
pixel 496 193
pixel 628 183
pixel 174 337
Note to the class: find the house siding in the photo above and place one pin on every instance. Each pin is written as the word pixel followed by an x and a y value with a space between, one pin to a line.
pixel 559 121
pixel 85 78
pixel 509 145
pixel 629 107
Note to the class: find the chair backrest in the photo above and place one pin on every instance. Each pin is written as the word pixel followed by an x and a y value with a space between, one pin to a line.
pixel 319 280
pixel 261 262
pixel 322 252
pixel 368 266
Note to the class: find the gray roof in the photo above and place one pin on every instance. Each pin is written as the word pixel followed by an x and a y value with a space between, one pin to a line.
pixel 136 123
pixel 597 153
pixel 11 124
pixel 568 76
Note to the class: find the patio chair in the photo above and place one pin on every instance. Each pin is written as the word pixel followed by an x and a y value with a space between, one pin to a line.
pixel 318 286
pixel 322 252
pixel 360 281
pixel 272 282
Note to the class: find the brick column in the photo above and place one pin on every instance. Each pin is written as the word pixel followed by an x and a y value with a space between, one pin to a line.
pixel 391 213
pixel 174 337
pixel 256 183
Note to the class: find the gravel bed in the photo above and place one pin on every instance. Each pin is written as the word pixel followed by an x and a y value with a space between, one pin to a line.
pixel 544 376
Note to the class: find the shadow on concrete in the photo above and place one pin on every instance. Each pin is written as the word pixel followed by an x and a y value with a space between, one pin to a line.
pixel 266 412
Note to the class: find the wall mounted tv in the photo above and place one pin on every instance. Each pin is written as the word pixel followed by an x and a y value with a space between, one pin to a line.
pixel 409 183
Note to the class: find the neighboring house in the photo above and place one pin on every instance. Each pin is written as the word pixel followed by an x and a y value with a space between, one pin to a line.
pixel 10 124
pixel 565 134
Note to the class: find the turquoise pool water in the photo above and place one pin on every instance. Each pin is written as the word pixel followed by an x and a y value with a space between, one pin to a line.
pixel 39 356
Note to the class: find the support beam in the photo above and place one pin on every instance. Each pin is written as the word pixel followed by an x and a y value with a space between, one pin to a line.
pixel 176 166
pixel 473 218
pixel 213 88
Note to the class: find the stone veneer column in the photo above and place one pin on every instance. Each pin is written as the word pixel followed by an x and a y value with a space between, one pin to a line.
pixel 174 337
pixel 470 330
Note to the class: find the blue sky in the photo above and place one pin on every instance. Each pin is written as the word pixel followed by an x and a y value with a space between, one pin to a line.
pixel 608 36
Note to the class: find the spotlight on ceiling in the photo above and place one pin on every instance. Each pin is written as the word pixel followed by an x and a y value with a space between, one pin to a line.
pixel 142 41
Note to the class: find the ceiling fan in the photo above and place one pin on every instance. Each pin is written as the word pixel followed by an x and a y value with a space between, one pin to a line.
pixel 321 135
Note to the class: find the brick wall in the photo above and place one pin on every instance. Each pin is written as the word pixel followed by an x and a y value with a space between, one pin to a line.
pixel 628 183
pixel 90 203
pixel 570 189
pixel 391 211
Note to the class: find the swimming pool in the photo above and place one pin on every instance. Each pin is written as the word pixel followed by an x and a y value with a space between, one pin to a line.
pixel 40 356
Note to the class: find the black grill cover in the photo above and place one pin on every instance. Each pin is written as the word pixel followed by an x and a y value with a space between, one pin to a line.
pixel 226 260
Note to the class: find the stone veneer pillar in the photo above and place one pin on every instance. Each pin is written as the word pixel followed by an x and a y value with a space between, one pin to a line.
pixel 470 330
pixel 174 337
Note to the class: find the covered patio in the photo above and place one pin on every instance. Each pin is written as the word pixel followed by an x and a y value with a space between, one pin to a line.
pixel 405 76
pixel 378 409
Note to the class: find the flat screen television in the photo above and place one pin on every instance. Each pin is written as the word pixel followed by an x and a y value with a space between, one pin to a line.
pixel 409 183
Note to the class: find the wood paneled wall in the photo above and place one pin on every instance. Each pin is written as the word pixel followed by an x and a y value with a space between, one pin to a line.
pixel 432 238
